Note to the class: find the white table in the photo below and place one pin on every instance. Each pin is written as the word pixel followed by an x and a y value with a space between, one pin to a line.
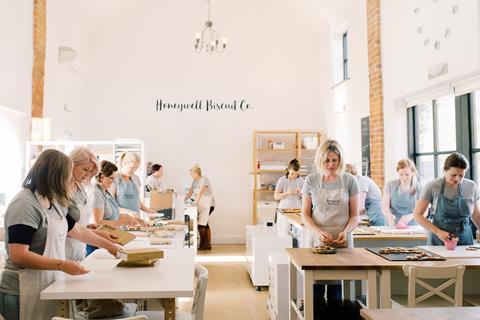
pixel 171 277
pixel 460 252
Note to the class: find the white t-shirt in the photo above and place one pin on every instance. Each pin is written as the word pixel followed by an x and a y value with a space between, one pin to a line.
pixel 155 183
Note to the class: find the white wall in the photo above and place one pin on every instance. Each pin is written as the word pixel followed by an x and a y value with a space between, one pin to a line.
pixel 65 90
pixel 349 16
pixel 16 25
pixel 405 58
pixel 275 60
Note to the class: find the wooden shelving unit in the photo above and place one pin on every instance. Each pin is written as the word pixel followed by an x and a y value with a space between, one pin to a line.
pixel 267 159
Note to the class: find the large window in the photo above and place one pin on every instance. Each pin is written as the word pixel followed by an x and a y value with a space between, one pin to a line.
pixel 442 126
pixel 345 54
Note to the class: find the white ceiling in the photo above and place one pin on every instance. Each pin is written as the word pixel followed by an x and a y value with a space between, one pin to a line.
pixel 95 13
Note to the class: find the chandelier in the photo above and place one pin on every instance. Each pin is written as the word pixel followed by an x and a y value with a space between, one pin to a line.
pixel 209 38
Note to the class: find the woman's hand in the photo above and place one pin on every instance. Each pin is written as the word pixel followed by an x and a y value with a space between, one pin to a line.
pixel 150 210
pixel 442 235
pixel 342 239
pixel 73 268
pixel 325 237
pixel 390 219
pixel 141 222
pixel 106 235
pixel 406 218
pixel 113 249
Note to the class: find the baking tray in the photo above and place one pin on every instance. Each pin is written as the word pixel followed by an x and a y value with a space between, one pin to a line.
pixel 403 256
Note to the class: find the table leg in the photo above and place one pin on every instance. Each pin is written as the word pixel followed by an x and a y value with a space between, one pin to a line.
pixel 308 295
pixel 169 305
pixel 64 308
pixel 293 290
pixel 372 289
pixel 385 289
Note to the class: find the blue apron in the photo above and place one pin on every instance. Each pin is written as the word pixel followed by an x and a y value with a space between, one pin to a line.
pixel 373 207
pixel 452 215
pixel 127 194
pixel 402 204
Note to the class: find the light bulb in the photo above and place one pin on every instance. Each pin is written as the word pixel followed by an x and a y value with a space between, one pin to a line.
pixel 197 36
pixel 224 40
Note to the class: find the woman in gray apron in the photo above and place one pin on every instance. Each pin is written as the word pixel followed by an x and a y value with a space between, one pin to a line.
pixel 400 195
pixel 289 187
pixel 330 205
pixel 126 186
pixel 454 201
pixel 37 222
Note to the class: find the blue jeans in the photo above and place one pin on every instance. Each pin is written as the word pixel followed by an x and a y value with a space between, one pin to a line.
pixel 374 212
pixel 9 306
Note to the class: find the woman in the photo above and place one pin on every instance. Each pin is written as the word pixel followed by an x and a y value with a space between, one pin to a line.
pixel 154 180
pixel 289 187
pixel 126 186
pixel 454 201
pixel 400 195
pixel 201 194
pixel 105 208
pixel 330 204
pixel 370 197
pixel 37 222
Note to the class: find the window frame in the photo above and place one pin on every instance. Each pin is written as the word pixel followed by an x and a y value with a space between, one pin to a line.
pixel 345 55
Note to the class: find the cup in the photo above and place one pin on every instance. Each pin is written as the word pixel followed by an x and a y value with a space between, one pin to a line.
pixel 401 225
pixel 450 244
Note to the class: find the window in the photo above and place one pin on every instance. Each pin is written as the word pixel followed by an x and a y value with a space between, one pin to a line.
pixel 442 126
pixel 345 55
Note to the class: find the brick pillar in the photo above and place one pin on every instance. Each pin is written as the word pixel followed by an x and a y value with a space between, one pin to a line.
pixel 39 43
pixel 376 92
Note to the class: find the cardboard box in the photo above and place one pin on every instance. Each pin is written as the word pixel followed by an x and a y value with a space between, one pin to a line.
pixel 161 200
pixel 124 237
pixel 141 254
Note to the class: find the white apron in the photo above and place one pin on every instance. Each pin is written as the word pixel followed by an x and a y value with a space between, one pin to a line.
pixel 32 282
pixel 76 250
pixel 292 201
pixel 204 210
pixel 331 212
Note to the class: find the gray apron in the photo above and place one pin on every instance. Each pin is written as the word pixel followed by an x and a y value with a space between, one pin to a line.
pixel 127 194
pixel 402 204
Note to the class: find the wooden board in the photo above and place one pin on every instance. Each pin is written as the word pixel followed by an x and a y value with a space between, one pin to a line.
pixel 458 253
pixel 139 254
pixel 403 256
pixel 124 237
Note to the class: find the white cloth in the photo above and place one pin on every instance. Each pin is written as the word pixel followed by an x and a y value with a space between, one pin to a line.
pixel 332 212
pixel 32 282
pixel 74 249
pixel 204 210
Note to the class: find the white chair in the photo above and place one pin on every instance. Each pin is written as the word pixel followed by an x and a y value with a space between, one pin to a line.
pixel 435 295
pixel 198 306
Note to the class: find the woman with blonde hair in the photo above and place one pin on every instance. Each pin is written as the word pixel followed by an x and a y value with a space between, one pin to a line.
pixel 201 194
pixel 330 204
pixel 37 222
pixel 400 195
pixel 126 187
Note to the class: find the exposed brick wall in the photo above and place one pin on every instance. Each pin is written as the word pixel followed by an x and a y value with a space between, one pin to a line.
pixel 376 92
pixel 39 43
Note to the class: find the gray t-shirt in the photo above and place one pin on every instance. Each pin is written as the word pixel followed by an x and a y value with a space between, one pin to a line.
pixel 154 183
pixel 292 201
pixel 25 209
pixel 103 199
pixel 311 185
pixel 394 186
pixel 365 184
pixel 431 191
pixel 197 186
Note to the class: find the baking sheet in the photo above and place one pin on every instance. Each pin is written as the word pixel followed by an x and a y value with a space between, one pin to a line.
pixel 403 256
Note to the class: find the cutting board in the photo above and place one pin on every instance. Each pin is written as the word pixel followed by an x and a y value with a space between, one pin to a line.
pixel 459 252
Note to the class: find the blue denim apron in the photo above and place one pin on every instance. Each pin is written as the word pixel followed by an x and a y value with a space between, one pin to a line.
pixel 373 207
pixel 127 194
pixel 452 215
pixel 402 204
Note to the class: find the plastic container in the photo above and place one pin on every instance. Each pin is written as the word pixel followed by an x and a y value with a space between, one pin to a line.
pixel 401 225
pixel 450 244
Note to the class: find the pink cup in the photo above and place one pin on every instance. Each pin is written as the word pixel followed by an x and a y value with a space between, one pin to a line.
pixel 450 244
pixel 401 225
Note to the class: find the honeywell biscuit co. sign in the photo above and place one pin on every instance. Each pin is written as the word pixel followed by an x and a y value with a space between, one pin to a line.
pixel 202 105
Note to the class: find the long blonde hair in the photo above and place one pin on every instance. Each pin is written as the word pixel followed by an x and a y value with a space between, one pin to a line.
pixel 127 158
pixel 81 156
pixel 407 163
pixel 322 152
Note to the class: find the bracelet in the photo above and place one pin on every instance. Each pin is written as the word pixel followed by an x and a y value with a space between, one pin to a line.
pixel 59 264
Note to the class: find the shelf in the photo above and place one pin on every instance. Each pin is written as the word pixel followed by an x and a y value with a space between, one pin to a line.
pixel 264 190
pixel 276 150
pixel 270 171
pixel 293 305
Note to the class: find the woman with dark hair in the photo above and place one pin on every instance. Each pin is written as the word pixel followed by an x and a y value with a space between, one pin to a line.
pixel 289 187
pixel 37 222
pixel 454 201
pixel 154 180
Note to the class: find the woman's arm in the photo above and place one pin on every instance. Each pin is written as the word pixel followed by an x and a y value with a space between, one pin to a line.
pixel 307 219
pixel 362 197
pixel 386 208
pixel 476 214
pixel 23 257
pixel 88 236
pixel 418 215
pixel 189 193
pixel 145 208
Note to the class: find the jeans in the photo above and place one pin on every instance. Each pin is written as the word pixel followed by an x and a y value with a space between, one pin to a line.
pixel 334 291
pixel 9 306
pixel 374 212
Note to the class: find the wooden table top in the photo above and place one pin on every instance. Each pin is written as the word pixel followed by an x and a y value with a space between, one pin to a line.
pixel 360 258
pixel 464 313
pixel 378 235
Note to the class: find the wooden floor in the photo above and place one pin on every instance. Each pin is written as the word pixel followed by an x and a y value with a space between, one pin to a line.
pixel 230 293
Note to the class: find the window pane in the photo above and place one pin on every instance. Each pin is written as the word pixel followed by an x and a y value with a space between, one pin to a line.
pixel 476 163
pixel 440 161
pixel 424 127
pixel 425 167
pixel 476 121
pixel 446 135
